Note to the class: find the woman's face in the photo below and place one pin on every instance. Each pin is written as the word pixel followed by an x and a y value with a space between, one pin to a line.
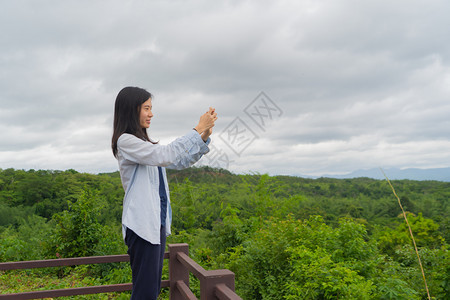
pixel 146 113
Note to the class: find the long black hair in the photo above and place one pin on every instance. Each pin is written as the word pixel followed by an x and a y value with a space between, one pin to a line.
pixel 126 114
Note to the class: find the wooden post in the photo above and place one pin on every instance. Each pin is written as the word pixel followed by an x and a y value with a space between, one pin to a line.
pixel 176 270
pixel 212 279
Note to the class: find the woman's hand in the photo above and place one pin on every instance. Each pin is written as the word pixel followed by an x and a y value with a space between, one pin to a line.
pixel 207 122
pixel 206 134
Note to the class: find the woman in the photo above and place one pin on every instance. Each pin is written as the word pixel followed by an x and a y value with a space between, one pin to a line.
pixel 146 215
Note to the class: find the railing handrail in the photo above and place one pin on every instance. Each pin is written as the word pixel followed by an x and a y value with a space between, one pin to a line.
pixel 63 262
pixel 214 284
pixel 198 270
pixel 223 292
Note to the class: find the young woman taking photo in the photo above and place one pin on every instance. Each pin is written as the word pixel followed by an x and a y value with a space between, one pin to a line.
pixel 147 215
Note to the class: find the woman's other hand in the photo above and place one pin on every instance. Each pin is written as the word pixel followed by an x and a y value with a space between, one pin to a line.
pixel 206 134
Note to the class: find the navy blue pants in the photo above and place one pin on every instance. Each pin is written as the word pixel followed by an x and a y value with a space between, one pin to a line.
pixel 146 262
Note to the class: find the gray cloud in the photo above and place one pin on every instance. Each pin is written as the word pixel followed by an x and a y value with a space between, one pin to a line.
pixel 360 84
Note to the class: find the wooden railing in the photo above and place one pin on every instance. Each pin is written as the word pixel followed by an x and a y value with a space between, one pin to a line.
pixel 214 284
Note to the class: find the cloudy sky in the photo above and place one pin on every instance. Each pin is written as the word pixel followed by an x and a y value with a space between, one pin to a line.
pixel 346 84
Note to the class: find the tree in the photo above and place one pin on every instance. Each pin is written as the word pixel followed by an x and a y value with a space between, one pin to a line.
pixel 77 231
pixel 425 231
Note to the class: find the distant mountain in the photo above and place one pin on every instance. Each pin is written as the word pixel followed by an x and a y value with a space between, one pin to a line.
pixel 439 174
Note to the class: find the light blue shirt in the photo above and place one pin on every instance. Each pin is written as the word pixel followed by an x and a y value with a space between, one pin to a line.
pixel 138 165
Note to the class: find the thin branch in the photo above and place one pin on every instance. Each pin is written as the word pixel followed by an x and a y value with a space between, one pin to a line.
pixel 410 232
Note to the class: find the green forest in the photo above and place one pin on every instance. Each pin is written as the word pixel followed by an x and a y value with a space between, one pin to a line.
pixel 284 237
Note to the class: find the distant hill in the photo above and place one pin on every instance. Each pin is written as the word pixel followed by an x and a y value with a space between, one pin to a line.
pixel 212 175
pixel 438 174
